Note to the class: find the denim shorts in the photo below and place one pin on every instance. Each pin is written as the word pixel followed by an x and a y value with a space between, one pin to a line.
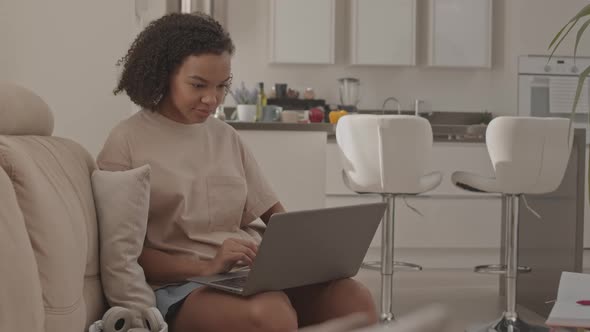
pixel 170 298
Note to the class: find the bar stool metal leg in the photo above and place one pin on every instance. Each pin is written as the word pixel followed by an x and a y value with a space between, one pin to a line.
pixel 510 322
pixel 387 264
pixel 376 265
pixel 387 237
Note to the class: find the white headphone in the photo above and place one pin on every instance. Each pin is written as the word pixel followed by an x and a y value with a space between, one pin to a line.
pixel 119 319
pixel 153 320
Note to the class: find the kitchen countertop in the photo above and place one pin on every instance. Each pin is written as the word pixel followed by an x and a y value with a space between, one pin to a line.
pixel 279 126
pixel 441 132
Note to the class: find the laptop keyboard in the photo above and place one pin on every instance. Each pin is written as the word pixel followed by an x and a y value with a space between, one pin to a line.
pixel 237 282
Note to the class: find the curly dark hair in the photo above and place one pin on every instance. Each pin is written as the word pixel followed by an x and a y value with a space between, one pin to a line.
pixel 161 48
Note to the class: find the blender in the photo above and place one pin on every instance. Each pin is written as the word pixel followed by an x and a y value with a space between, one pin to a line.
pixel 349 93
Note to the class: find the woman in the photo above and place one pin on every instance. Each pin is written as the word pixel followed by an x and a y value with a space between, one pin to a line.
pixel 206 186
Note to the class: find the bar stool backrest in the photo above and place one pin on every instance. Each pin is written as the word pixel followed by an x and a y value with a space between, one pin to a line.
pixel 529 154
pixel 385 153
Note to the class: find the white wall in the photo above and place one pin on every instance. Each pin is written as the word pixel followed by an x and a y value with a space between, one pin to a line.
pixel 541 20
pixel 66 52
pixel 520 27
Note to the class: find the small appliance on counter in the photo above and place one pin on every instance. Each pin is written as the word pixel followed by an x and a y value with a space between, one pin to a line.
pixel 349 93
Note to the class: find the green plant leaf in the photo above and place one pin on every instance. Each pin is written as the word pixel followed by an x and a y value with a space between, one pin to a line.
pixel 571 23
pixel 562 38
pixel 585 11
pixel 579 36
pixel 559 34
pixel 581 81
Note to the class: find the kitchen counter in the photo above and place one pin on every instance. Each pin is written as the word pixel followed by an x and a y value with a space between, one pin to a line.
pixel 303 164
pixel 304 169
pixel 446 126
pixel 441 132
pixel 554 243
pixel 280 126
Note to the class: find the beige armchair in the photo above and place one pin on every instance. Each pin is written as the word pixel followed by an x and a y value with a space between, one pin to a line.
pixel 49 228
pixel 49 256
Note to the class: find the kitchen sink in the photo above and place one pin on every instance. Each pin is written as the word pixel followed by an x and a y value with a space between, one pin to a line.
pixel 458 126
pixel 452 126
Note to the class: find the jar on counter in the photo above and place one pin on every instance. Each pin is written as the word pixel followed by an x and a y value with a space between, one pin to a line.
pixel 308 93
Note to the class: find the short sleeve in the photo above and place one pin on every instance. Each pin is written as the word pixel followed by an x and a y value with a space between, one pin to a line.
pixel 260 195
pixel 115 154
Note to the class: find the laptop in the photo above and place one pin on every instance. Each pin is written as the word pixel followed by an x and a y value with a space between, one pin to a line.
pixel 305 247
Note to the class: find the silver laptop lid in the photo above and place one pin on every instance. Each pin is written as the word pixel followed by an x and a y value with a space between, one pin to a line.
pixel 307 247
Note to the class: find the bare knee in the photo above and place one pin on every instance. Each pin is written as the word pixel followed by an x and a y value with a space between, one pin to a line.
pixel 359 298
pixel 272 311
pixel 366 302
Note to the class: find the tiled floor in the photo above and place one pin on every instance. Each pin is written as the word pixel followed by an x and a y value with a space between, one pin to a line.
pixel 470 298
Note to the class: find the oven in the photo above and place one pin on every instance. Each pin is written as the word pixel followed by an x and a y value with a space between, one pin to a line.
pixel 546 88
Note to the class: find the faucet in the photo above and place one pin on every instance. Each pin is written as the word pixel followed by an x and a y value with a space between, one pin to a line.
pixel 394 99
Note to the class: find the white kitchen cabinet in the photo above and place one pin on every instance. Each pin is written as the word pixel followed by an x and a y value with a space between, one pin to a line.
pixel 460 33
pixel 302 31
pixel 383 32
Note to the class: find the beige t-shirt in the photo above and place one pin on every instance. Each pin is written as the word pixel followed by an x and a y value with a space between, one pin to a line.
pixel 205 184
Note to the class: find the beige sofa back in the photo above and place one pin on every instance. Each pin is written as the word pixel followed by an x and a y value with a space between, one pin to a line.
pixel 21 304
pixel 56 267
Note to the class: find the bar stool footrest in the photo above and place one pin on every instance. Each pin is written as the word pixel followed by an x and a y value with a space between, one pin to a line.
pixel 499 269
pixel 376 265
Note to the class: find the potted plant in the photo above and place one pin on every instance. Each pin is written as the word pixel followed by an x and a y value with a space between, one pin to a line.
pixel 554 45
pixel 560 36
pixel 245 103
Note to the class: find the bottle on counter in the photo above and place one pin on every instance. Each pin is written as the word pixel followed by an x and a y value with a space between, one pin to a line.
pixel 260 101
pixel 219 113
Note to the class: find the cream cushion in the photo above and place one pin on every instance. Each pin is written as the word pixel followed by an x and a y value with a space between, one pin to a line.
pixel 122 203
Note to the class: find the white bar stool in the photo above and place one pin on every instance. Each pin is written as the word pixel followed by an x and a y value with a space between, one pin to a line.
pixel 388 155
pixel 529 156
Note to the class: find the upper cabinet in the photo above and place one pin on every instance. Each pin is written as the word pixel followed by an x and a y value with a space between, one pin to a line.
pixel 383 32
pixel 460 33
pixel 302 31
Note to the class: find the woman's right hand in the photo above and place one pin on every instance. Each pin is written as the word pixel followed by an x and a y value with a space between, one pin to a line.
pixel 230 253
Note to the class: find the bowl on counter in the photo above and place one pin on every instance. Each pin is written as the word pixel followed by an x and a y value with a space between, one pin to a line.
pixel 290 116
pixel 476 130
